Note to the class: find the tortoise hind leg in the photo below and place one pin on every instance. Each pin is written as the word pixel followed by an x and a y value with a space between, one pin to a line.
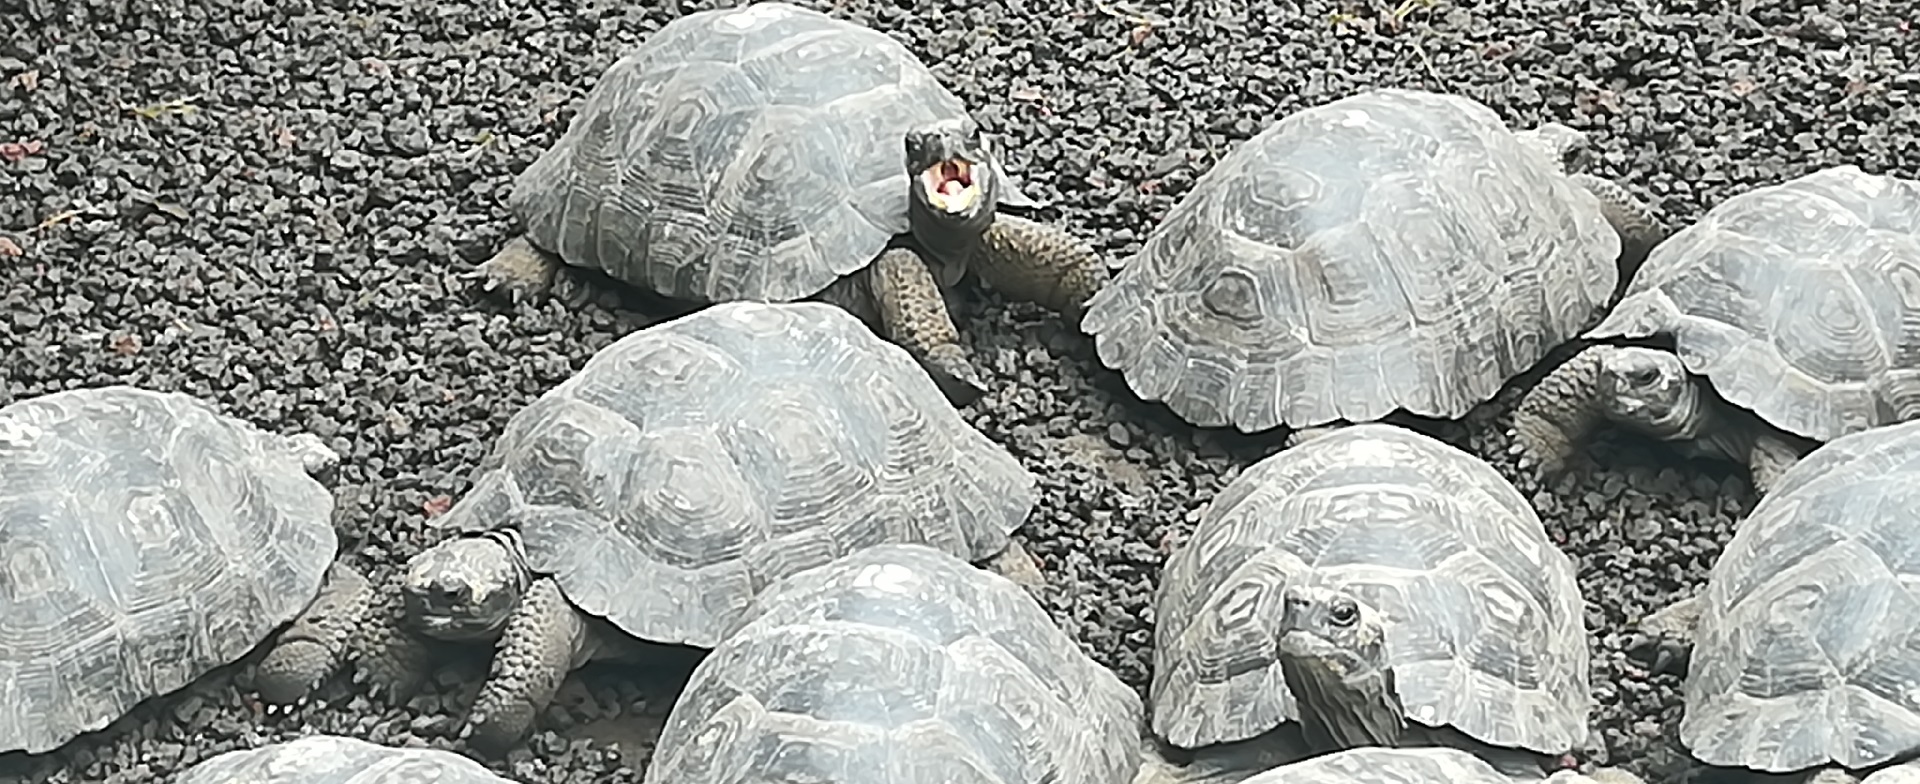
pixel 317 643
pixel 543 641
pixel 1302 435
pixel 521 272
pixel 1033 262
pixel 1769 458
pixel 1018 565
pixel 913 313
pixel 1667 635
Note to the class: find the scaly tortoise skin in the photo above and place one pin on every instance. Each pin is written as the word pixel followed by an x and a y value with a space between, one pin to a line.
pixel 147 539
pixel 335 759
pixel 1392 251
pixel 773 153
pixel 1409 565
pixel 657 491
pixel 900 664
pixel 1787 316
pixel 1803 649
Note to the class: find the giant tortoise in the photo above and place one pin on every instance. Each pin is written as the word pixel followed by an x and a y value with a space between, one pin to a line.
pixel 1392 251
pixel 335 759
pixel 1787 316
pixel 654 493
pixel 1805 643
pixel 147 539
pixel 770 152
pixel 1430 765
pixel 1377 587
pixel 900 664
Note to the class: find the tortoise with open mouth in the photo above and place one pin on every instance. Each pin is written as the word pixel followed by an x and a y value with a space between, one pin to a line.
pixel 754 153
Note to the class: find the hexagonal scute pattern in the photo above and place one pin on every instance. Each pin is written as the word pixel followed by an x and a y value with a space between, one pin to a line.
pixel 1390 250
pixel 147 540
pixel 1486 629
pixel 900 665
pixel 691 464
pixel 744 153
pixel 1800 301
pixel 1808 647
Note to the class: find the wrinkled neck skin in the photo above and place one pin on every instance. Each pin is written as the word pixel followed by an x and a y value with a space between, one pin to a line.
pixel 1703 426
pixel 1344 701
pixel 1719 441
pixel 1231 763
pixel 1738 432
pixel 1219 763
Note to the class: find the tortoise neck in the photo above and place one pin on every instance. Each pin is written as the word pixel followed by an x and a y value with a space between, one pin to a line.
pixel 1345 703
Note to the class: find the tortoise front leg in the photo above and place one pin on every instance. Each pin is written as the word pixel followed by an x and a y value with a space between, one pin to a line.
pixel 1554 416
pixel 543 641
pixel 1034 262
pixel 389 658
pixel 317 643
pixel 913 313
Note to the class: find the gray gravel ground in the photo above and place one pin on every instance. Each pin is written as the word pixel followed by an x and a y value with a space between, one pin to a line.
pixel 263 203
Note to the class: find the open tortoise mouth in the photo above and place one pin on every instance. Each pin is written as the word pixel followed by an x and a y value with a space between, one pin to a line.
pixel 950 186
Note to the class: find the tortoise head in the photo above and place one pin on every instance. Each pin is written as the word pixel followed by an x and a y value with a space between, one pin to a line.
pixel 465 588
pixel 1333 654
pixel 952 175
pixel 1650 390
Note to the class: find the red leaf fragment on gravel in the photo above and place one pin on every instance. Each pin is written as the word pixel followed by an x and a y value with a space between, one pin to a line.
pixel 13 152
pixel 125 344
pixel 436 506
